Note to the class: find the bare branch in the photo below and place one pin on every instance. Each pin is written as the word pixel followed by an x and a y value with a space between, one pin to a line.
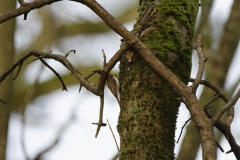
pixel 218 90
pixel 20 61
pixel 90 75
pixel 59 58
pixel 67 64
pixel 202 61
pixel 59 77
pixel 219 146
pixel 25 9
pixel 100 121
pixel 226 107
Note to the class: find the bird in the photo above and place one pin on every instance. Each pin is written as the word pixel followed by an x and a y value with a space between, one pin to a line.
pixel 113 85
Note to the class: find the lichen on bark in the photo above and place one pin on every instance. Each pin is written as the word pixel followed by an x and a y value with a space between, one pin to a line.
pixel 149 105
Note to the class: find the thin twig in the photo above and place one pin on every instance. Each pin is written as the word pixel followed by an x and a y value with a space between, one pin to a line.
pixel 21 2
pixel 104 58
pixel 63 60
pixel 26 8
pixel 229 151
pixel 182 128
pixel 35 59
pixel 74 51
pixel 59 77
pixel 207 105
pixel 19 69
pixel 113 135
pixel 147 14
pixel 219 146
pixel 5 74
pixel 90 75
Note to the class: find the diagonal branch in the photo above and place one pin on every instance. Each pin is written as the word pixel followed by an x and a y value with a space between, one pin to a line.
pixel 135 44
pixel 25 8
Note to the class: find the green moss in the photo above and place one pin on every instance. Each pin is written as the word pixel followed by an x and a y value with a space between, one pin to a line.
pixel 151 107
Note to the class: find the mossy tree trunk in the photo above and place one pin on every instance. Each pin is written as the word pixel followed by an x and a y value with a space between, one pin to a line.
pixel 6 60
pixel 149 105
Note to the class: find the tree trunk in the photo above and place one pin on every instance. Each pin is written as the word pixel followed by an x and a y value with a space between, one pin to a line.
pixel 6 60
pixel 149 105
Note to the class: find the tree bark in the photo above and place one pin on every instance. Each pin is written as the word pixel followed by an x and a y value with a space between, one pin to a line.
pixel 6 60
pixel 149 105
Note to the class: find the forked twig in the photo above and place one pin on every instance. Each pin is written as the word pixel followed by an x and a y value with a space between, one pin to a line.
pixel 90 75
pixel 226 107
pixel 202 61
